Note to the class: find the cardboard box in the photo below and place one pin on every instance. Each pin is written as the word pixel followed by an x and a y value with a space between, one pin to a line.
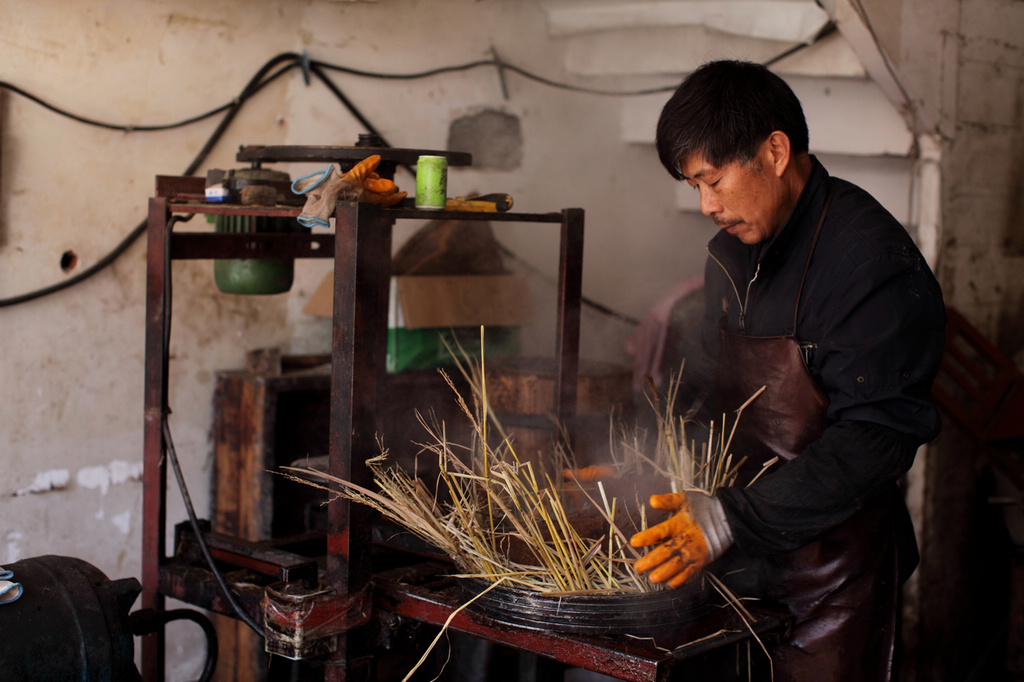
pixel 424 311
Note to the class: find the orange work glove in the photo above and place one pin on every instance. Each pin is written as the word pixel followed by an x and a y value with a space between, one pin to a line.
pixel 326 188
pixel 695 536
pixel 591 474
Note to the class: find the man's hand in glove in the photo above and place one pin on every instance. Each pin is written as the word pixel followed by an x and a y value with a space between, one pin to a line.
pixel 695 536
pixel 591 474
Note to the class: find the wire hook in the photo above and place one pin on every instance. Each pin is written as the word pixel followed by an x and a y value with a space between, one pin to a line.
pixel 501 73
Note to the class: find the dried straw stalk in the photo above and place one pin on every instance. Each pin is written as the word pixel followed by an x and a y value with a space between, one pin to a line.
pixel 496 501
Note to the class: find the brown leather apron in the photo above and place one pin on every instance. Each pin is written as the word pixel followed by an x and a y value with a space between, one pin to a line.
pixel 842 589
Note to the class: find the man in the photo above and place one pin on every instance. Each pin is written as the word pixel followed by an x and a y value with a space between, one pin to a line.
pixel 818 294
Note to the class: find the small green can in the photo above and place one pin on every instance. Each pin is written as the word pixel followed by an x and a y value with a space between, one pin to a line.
pixel 431 182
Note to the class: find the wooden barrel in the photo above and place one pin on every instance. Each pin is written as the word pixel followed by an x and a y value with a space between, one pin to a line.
pixel 521 392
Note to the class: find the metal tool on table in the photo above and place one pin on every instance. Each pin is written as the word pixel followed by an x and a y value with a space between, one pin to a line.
pixel 487 203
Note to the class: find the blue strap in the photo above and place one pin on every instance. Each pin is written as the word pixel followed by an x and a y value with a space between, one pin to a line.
pixel 323 176
pixel 10 592
pixel 312 221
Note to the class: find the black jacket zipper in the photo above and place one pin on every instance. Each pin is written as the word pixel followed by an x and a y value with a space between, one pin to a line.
pixel 746 298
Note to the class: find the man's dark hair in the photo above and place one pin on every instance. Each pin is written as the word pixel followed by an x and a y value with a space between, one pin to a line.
pixel 724 111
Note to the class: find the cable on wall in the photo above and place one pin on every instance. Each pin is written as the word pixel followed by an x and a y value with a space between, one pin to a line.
pixel 257 83
pixel 286 62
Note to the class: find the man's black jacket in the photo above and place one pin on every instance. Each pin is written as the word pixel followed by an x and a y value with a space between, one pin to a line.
pixel 872 320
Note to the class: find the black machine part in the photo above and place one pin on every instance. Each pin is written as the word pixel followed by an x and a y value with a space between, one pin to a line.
pixel 149 621
pixel 238 181
pixel 347 157
pixel 72 623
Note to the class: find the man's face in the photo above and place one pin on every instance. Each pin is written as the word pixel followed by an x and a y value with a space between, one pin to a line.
pixel 747 200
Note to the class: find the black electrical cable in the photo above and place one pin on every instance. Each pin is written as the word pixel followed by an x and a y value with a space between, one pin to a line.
pixel 405 76
pixel 317 69
pixel 828 29
pixel 885 56
pixel 583 299
pixel 172 455
pixel 257 83
pixel 785 53
pixel 501 65
pixel 301 60
pixel 147 621
pixel 4 85
pixel 82 276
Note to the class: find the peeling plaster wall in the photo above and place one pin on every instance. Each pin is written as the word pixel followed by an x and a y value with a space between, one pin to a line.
pixel 71 372
pixel 72 367
pixel 962 62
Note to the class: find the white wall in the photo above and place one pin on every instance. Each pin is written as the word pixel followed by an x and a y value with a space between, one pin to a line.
pixel 71 374
pixel 72 366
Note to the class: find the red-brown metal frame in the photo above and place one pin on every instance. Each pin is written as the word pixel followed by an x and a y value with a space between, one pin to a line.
pixel 977 385
pixel 361 248
pixel 678 650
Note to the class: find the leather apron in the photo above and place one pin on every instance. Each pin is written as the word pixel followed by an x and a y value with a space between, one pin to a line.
pixel 841 589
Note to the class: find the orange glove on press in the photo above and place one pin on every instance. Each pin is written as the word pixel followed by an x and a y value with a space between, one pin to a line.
pixel 326 188
pixel 591 474
pixel 695 536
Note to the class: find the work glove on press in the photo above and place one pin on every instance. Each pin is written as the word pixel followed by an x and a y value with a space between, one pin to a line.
pixel 324 189
pixel 697 534
pixel 10 591
pixel 590 474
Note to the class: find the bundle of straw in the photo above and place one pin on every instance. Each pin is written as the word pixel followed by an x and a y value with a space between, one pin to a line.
pixel 683 462
pixel 501 519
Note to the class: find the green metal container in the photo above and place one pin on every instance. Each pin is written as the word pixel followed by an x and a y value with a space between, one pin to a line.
pixel 254 275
